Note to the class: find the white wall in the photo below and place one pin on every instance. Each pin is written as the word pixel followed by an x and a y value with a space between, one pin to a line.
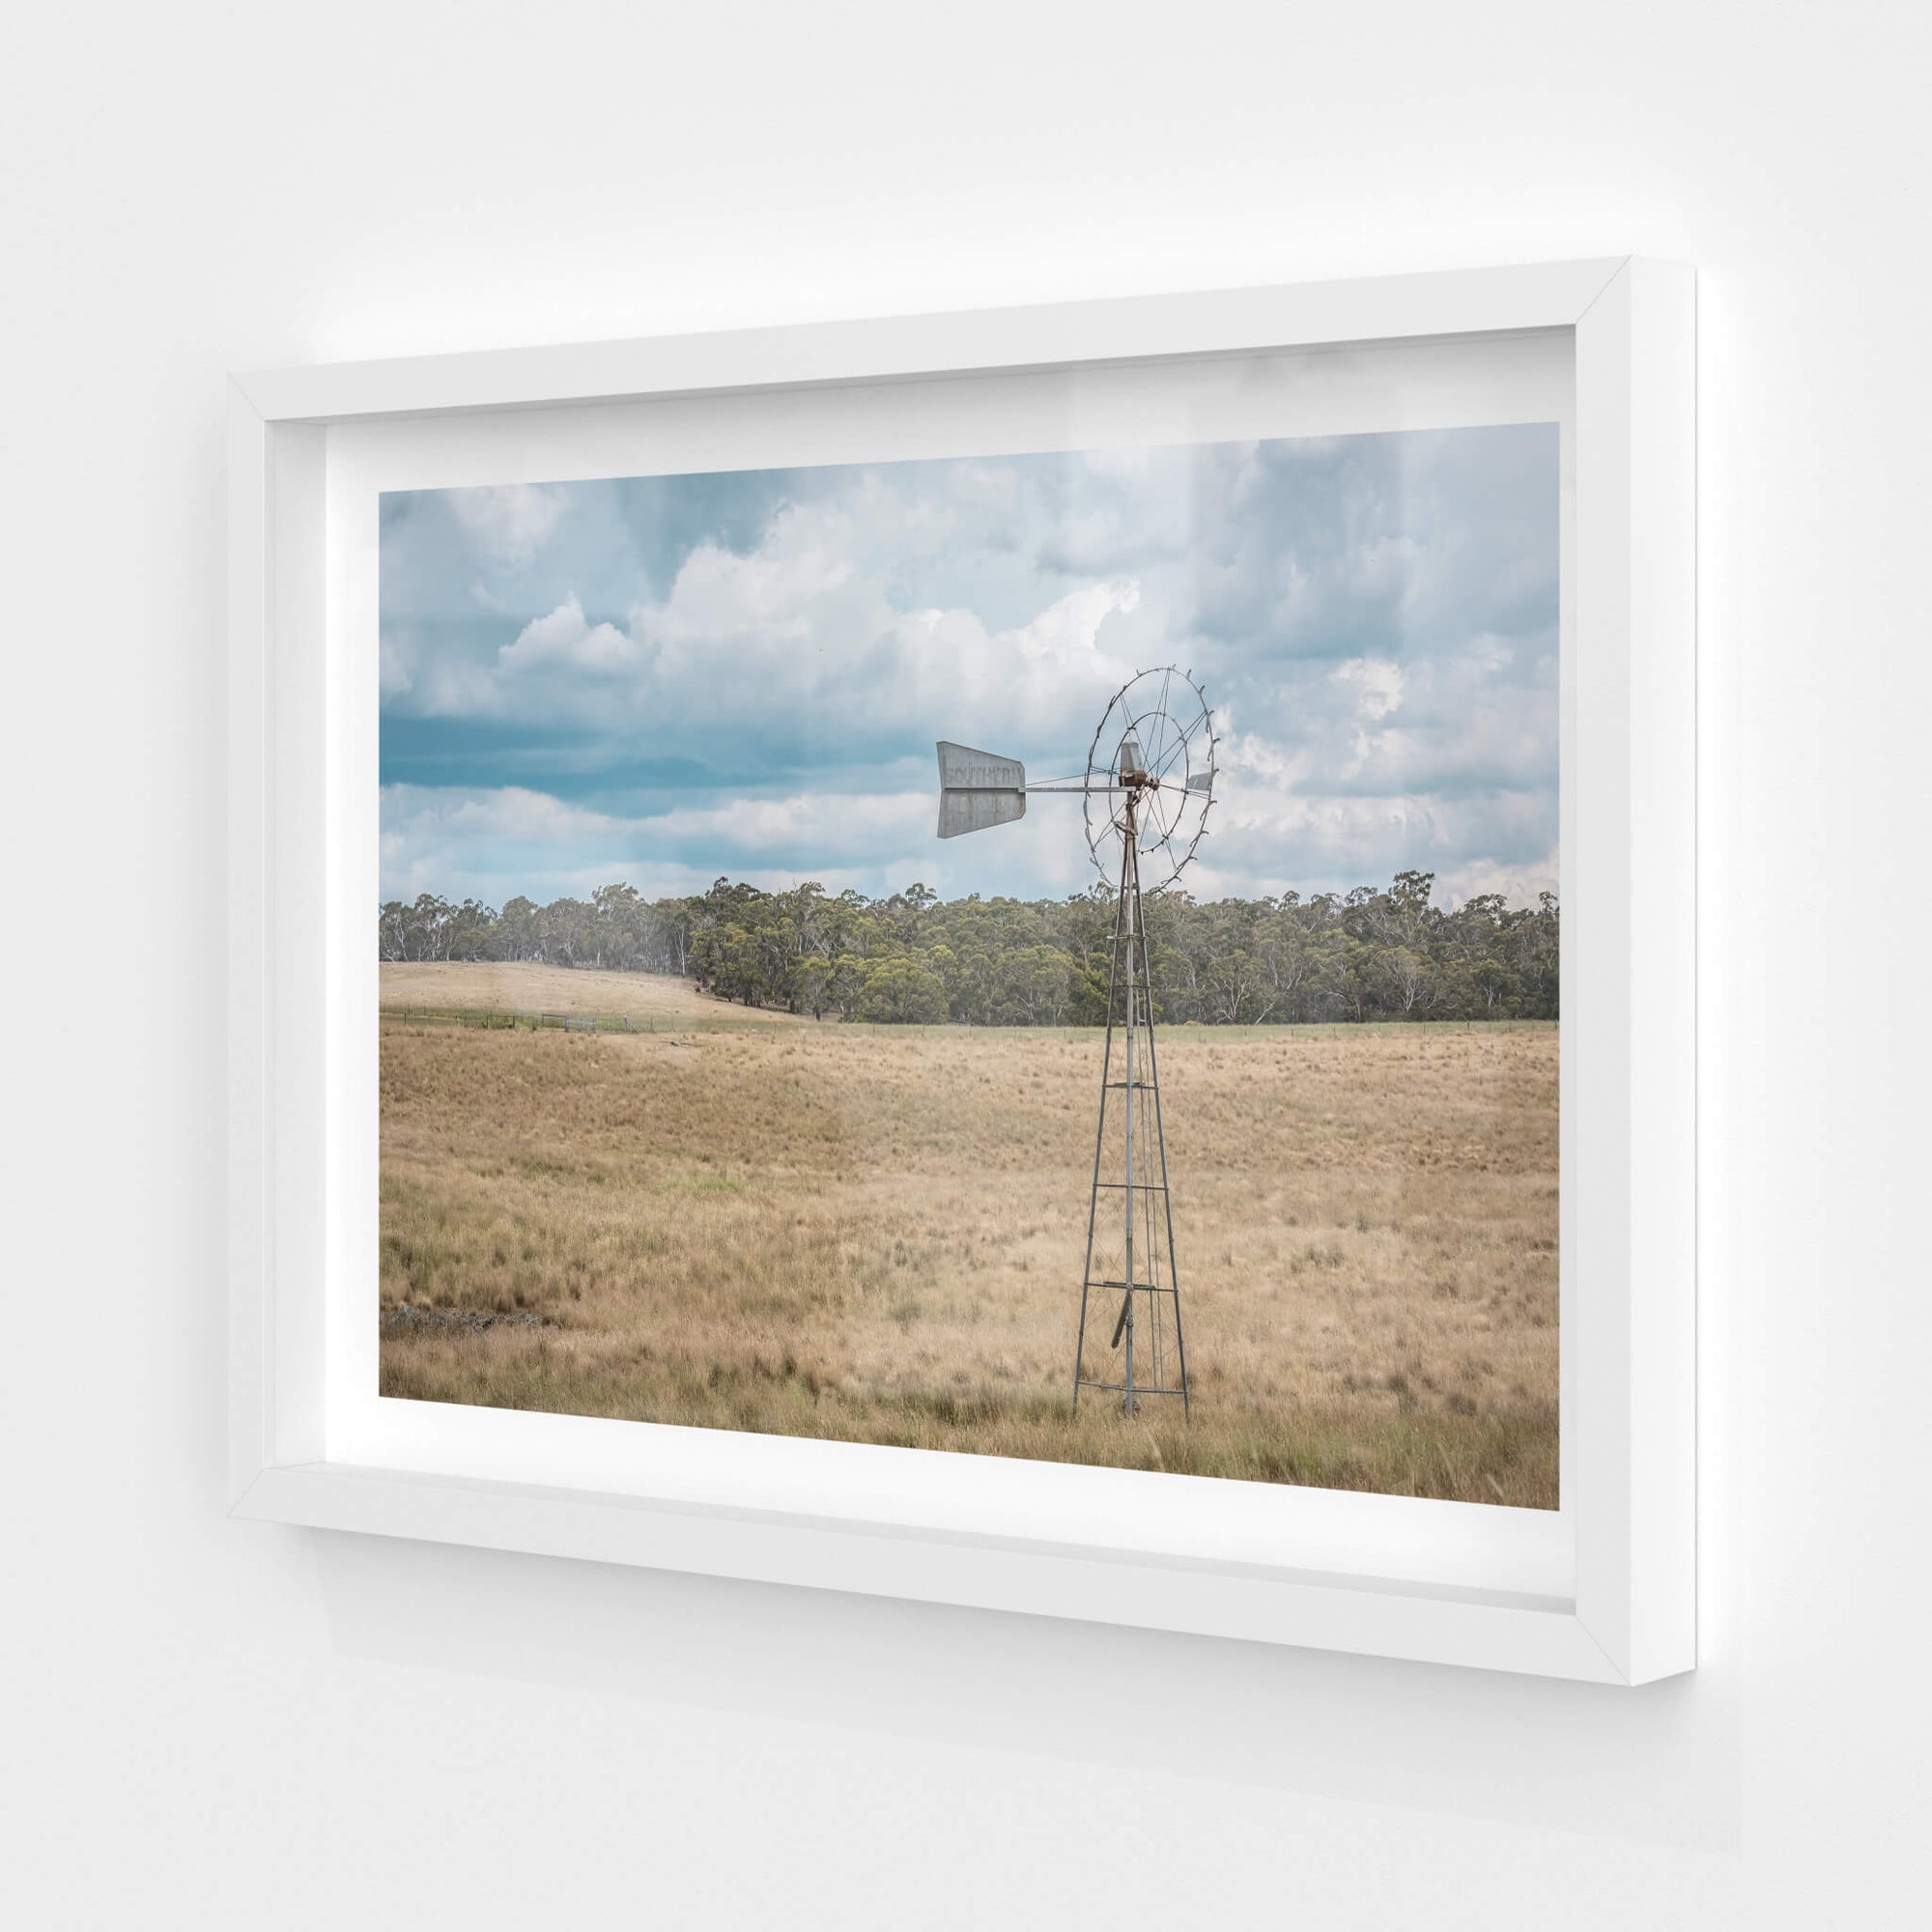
pixel 219 1724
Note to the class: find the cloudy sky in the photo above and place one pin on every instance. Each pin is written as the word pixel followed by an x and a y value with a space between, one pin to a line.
pixel 661 679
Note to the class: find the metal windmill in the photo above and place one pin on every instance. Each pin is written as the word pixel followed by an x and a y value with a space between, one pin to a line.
pixel 1146 791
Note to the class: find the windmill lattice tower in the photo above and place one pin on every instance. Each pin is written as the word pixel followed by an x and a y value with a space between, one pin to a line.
pixel 1148 787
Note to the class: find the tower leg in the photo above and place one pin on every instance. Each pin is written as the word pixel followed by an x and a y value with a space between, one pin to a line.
pixel 1129 905
pixel 1154 1359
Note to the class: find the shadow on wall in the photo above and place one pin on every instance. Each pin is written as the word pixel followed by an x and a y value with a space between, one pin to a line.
pixel 1615 1764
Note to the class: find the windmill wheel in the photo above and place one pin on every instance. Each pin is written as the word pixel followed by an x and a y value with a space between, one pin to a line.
pixel 1155 748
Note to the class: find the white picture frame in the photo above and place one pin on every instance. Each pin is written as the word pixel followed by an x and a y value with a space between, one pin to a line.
pixel 1602 1589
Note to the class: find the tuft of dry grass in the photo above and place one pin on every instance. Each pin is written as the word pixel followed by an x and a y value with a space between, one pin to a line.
pixel 748 1221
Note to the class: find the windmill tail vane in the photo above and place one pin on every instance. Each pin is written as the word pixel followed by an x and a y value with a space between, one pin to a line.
pixel 978 790
pixel 1146 788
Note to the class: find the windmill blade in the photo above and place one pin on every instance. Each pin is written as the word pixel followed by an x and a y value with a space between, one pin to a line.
pixel 1200 782
pixel 977 789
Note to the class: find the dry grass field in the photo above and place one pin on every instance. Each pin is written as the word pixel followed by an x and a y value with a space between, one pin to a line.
pixel 753 1221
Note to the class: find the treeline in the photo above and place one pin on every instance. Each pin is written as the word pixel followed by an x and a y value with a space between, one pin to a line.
pixel 1369 954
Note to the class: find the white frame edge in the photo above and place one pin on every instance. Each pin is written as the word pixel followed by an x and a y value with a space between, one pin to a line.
pixel 1633 1618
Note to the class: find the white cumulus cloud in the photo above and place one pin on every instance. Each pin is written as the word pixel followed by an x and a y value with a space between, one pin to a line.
pixel 761 663
pixel 1376 684
pixel 510 523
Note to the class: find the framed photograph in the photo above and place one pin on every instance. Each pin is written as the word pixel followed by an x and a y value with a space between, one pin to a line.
pixel 1041 959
